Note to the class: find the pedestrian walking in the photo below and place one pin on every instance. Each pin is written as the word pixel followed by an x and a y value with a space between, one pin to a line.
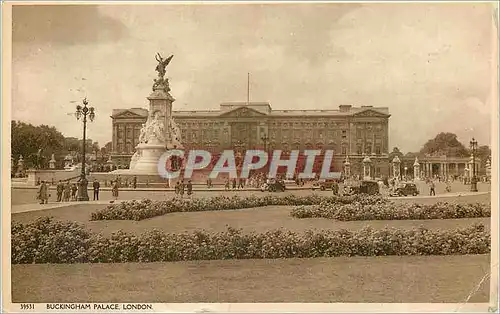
pixel 114 189
pixel 134 182
pixel 241 185
pixel 43 195
pixel 177 188
pixel 335 188
pixel 226 186
pixel 96 185
pixel 182 188
pixel 189 188
pixel 59 189
pixel 209 183
pixel 234 183
pixel 74 188
pixel 433 189
pixel 67 192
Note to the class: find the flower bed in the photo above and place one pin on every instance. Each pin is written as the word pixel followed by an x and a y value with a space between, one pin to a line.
pixel 48 241
pixel 391 211
pixel 143 209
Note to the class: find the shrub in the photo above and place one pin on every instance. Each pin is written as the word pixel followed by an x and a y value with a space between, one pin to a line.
pixel 49 241
pixel 143 209
pixel 391 211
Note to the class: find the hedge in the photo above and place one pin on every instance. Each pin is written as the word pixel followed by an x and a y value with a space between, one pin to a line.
pixel 392 211
pixel 49 241
pixel 143 209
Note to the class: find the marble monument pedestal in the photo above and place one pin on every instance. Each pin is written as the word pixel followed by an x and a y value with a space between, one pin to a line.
pixel 147 162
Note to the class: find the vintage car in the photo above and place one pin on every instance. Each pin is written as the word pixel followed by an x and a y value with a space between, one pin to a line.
pixel 369 187
pixel 405 189
pixel 324 184
pixel 327 184
pixel 273 185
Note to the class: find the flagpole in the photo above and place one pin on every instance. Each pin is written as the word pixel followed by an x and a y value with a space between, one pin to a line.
pixel 248 89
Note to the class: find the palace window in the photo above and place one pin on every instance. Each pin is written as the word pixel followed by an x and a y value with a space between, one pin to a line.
pixel 344 134
pixel 359 149
pixel 368 149
pixel 377 150
pixel 344 150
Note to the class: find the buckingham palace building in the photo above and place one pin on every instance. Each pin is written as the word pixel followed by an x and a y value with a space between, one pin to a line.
pixel 353 132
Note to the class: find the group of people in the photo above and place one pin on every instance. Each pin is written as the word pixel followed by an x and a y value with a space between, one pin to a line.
pixel 66 191
pixel 235 184
pixel 181 188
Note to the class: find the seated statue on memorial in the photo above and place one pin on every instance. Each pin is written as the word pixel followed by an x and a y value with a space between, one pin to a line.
pixel 134 159
pixel 175 133
pixel 155 130
pixel 142 135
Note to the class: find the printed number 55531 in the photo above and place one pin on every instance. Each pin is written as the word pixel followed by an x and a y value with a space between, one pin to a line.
pixel 25 306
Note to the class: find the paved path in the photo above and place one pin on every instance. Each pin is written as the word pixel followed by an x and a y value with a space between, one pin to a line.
pixel 195 188
pixel 36 206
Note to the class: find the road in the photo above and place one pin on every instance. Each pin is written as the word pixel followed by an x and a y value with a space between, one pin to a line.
pixel 28 196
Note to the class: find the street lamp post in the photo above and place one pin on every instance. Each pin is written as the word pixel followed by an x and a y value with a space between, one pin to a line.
pixel 84 112
pixel 473 146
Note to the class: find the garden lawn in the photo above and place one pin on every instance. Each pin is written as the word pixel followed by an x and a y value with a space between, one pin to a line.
pixel 259 219
pixel 391 279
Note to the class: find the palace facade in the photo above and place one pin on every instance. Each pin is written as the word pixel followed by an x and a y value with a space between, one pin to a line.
pixel 352 132
pixel 349 131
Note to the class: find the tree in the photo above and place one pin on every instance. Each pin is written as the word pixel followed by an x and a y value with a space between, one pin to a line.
pixel 445 144
pixel 35 143
pixel 483 152
pixel 72 144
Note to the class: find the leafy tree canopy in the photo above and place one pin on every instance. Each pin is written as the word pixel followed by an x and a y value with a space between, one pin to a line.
pixel 34 141
pixel 37 143
pixel 445 144
pixel 483 152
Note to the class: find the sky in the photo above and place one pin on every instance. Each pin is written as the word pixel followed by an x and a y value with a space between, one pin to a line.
pixel 429 63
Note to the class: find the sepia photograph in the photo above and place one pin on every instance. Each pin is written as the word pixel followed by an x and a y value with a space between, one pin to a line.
pixel 239 152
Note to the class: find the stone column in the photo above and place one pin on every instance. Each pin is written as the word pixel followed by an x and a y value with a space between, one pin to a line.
pixel 347 167
pixel 416 169
pixel 133 138
pixel 456 169
pixel 115 137
pixel 366 168
pixel 396 167
pixel 52 162
pixel 227 134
